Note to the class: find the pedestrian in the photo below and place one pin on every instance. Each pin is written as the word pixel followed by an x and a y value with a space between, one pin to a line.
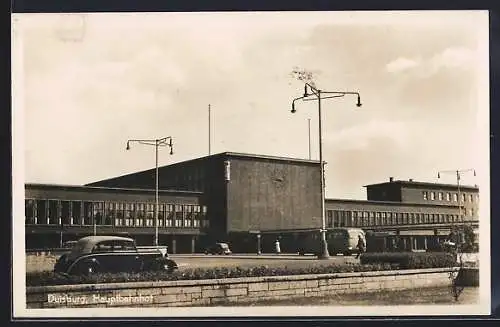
pixel 277 246
pixel 361 246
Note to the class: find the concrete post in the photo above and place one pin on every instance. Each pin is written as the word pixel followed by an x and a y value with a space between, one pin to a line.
pixel 258 244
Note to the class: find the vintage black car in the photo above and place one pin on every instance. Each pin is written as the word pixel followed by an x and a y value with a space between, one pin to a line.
pixel 218 248
pixel 99 254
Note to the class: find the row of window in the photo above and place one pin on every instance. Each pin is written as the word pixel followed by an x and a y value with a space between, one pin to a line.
pixel 343 218
pixel 81 213
pixel 449 196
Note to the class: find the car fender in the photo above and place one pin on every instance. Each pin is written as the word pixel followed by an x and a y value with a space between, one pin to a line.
pixel 163 263
pixel 87 261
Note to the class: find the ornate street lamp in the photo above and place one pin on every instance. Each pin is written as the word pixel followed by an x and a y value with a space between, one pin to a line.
pixel 165 141
pixel 319 95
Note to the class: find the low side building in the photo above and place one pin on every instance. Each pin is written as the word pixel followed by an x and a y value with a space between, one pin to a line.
pixel 55 214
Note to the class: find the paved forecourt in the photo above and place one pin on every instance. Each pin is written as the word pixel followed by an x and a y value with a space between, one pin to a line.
pixel 185 261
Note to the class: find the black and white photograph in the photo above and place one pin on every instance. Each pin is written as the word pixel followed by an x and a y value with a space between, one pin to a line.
pixel 229 164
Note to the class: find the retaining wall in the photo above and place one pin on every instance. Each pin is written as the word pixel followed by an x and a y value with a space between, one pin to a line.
pixel 231 290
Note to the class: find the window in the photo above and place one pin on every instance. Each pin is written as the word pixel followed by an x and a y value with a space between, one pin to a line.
pixel 405 218
pixel 336 218
pixel 440 196
pixel 105 246
pixel 129 214
pixel 372 218
pixel 384 219
pixel 169 213
pixel 329 221
pixel 53 214
pixel 179 215
pixel 448 197
pixel 88 217
pixel 419 218
pixel 455 197
pixel 123 246
pixel 188 216
pixel 119 214
pixel 472 212
pixel 377 218
pixel 354 218
pixel 76 212
pixel 471 198
pixel 464 197
pixel 98 213
pixel 412 219
pixel 150 215
pixel 30 211
pixel 161 215
pixel 66 217
pixel 196 215
pixel 365 218
pixel 140 214
pixel 426 218
pixel 109 210
pixel 425 195
pixel 204 216
pixel 433 195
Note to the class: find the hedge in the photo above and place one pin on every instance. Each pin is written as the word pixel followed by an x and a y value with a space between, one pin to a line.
pixel 50 278
pixel 410 260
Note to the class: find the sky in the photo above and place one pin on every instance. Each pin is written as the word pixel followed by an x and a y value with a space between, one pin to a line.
pixel 86 83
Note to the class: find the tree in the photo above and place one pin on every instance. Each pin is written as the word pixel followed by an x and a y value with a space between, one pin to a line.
pixel 464 237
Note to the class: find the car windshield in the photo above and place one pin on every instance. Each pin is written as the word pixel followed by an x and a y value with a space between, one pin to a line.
pixel 223 245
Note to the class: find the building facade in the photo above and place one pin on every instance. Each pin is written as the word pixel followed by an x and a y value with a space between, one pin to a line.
pixel 246 200
pixel 55 214
pixel 414 215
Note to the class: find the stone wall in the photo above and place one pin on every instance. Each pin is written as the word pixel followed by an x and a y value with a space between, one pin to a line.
pixel 231 290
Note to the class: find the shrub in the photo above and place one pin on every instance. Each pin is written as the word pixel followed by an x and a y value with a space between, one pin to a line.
pixel 409 260
pixel 50 278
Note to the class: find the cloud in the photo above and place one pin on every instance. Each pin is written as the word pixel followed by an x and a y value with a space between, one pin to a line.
pixel 401 64
pixel 362 136
pixel 451 57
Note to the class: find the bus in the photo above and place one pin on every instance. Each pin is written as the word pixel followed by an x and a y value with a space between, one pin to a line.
pixel 340 241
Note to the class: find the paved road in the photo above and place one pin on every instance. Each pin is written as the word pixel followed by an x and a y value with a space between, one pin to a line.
pixel 185 261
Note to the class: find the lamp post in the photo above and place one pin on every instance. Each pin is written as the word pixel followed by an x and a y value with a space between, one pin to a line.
pixel 458 173
pixel 165 141
pixel 318 96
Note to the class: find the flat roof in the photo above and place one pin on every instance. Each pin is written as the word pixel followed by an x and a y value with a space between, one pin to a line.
pixel 104 188
pixel 424 184
pixel 221 154
pixel 392 203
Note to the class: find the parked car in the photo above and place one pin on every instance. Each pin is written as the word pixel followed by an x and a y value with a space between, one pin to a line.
pixel 218 248
pixel 98 254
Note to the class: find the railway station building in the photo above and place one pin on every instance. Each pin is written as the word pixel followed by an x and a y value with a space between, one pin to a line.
pixel 246 200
